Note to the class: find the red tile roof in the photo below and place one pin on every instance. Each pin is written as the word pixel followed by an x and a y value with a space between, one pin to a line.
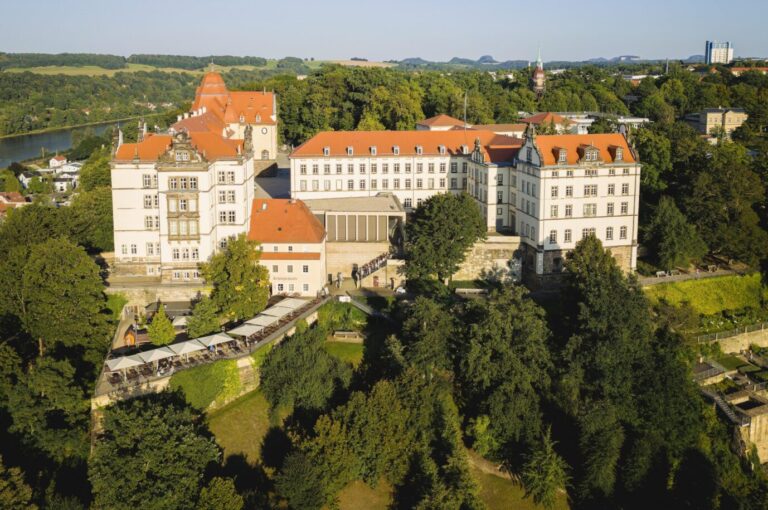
pixel 255 107
pixel 212 146
pixel 407 141
pixel 546 118
pixel 441 120
pixel 151 148
pixel 550 145
pixel 207 121
pixel 9 197
pixel 276 220
pixel 59 157
pixel 500 127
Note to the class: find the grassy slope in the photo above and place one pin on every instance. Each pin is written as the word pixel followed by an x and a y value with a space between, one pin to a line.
pixel 711 295
pixel 352 353
pixel 206 383
pixel 240 427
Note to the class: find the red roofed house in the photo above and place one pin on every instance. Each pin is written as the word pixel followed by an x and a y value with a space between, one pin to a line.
pixel 439 122
pixel 179 197
pixel 57 161
pixel 292 243
pixel 548 122
pixel 11 200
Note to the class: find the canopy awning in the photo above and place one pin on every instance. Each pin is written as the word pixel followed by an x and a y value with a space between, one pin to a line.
pixel 292 303
pixel 245 330
pixel 156 354
pixel 124 362
pixel 263 320
pixel 187 347
pixel 277 311
pixel 218 338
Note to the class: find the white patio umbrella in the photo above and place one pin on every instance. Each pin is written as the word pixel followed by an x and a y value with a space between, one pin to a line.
pixel 156 354
pixel 292 303
pixel 263 320
pixel 216 339
pixel 123 362
pixel 277 311
pixel 245 330
pixel 184 348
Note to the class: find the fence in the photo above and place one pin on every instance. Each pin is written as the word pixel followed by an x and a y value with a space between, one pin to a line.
pixel 714 337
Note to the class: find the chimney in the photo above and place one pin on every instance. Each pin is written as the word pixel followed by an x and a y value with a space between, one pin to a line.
pixel 263 206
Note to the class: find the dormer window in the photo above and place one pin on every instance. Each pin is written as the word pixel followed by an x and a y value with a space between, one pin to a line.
pixel 326 151
pixel 619 154
pixel 441 149
pixel 350 151
pixel 562 156
pixel 373 150
pixel 419 150
pixel 529 154
pixel 182 156
pixel 396 150
pixel 465 149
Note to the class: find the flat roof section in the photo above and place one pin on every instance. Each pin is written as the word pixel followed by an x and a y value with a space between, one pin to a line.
pixel 381 203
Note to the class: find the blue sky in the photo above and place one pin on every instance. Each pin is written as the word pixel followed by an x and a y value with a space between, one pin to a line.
pixel 390 29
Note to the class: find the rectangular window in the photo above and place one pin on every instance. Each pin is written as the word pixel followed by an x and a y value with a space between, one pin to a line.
pixel 454 167
pixel 419 183
pixel 350 184
pixel 431 184
pixel 396 168
pixel 182 228
pixel 147 201
pixel 148 222
pixel 554 192
pixel 305 287
pixel 274 269
pixel 231 216
pixel 419 168
pixel 407 184
pixel 624 207
pixel 327 185
pixel 454 183
pixel 609 233
pixel 590 210
pixel 302 185
pixel 374 168
pixel 193 227
pixel 315 169
pixel 408 203
pixel 568 211
pixel 396 183
pixel 431 168
pixel 183 204
pixel 407 168
pixel 625 189
pixel 569 173
pixel 350 169
pixel 374 184
pixel 146 180
pixel 362 168
pixel 175 254
pixel 464 167
pixel 622 232
pixel 609 209
pixel 290 268
pixel 611 171
pixel 567 236
pixel 305 269
pixel 280 287
pixel 173 228
pixel 553 237
pixel 385 168
pixel 442 183
pixel 553 211
pixel 302 171
pixel 362 184
pixel 499 197
pixel 231 197
pixel 150 249
pixel 611 189
pixel 222 216
pixel 586 232
pixel 338 169
pixel 442 168
pixel 222 197
pixel 569 191
pixel 500 179
pixel 590 190
pixel 385 184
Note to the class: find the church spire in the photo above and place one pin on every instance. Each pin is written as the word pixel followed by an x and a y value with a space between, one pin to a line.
pixel 539 63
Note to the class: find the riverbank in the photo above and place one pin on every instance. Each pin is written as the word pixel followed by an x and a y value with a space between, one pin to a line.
pixel 79 126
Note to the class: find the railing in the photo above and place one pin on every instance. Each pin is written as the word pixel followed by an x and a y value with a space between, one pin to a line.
pixel 714 337
pixel 740 419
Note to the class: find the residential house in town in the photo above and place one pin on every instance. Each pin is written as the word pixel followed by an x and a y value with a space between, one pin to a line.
pixel 11 200
pixel 57 161
pixel 713 121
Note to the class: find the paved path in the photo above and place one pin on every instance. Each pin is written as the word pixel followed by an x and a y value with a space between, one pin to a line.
pixel 652 280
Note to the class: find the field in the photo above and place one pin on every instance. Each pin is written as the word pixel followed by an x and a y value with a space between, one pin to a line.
pixel 353 353
pixel 133 68
pixel 709 296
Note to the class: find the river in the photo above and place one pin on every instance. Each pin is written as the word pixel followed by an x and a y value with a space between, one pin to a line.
pixel 22 147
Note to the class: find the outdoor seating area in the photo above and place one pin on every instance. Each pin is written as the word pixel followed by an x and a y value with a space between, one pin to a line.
pixel 133 369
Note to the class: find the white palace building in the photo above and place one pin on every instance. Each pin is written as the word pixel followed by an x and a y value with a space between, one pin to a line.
pixel 178 197
pixel 551 190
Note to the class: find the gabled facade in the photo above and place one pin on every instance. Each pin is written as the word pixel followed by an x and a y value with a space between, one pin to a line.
pixel 570 186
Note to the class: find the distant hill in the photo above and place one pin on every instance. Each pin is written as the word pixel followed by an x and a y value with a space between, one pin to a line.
pixel 414 61
pixel 694 59
pixel 463 61
pixel 486 59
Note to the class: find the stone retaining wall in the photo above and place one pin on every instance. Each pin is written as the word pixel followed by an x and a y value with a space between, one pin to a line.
pixel 489 258
pixel 742 342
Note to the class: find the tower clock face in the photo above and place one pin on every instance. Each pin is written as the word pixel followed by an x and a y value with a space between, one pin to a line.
pixel 263 131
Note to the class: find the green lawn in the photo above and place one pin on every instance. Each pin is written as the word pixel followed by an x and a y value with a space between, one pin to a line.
pixel 359 496
pixel 730 362
pixel 709 296
pixel 208 383
pixel 502 494
pixel 240 426
pixel 353 353
pixel 115 303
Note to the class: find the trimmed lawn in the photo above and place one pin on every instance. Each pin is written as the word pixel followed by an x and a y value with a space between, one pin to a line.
pixel 240 426
pixel 359 496
pixel 115 303
pixel 730 362
pixel 709 296
pixel 502 494
pixel 352 353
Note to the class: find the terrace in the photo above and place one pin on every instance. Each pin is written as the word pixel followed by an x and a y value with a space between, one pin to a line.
pixel 125 375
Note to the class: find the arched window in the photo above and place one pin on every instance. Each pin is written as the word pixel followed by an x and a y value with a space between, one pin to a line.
pixel 265 154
